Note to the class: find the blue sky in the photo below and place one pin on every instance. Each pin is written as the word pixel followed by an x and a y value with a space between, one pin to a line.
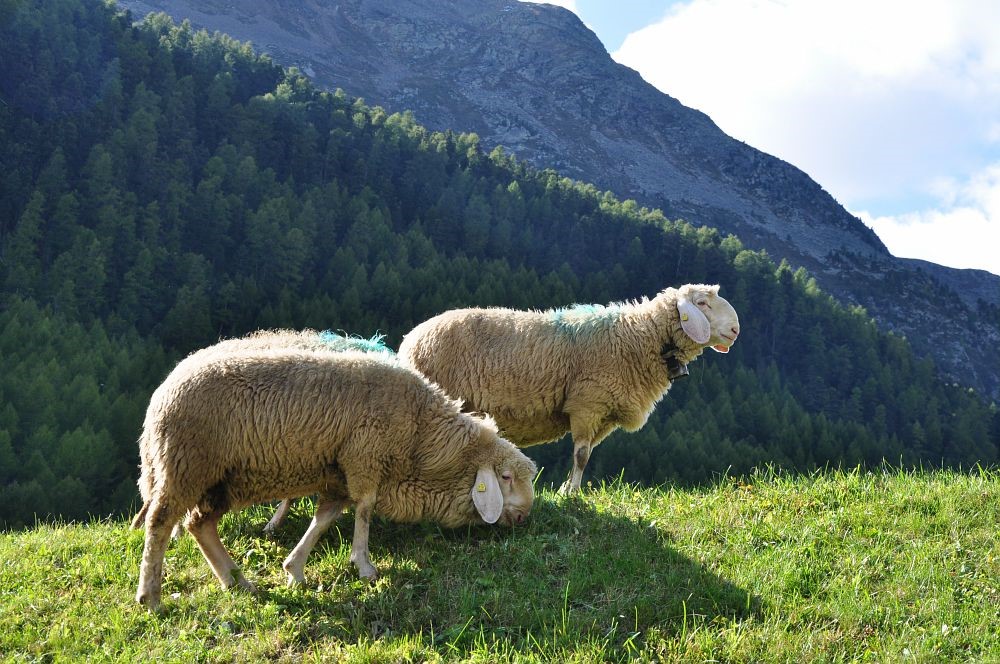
pixel 613 20
pixel 893 106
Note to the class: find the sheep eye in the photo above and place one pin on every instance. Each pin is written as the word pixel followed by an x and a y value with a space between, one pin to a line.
pixel 507 477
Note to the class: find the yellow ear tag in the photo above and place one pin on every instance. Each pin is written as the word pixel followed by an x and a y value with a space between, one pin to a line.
pixel 481 487
pixel 684 316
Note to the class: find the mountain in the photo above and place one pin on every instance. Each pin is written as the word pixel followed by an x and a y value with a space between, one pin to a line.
pixel 533 79
pixel 164 188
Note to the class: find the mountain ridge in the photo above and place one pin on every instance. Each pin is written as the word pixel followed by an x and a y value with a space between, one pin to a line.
pixel 535 80
pixel 165 188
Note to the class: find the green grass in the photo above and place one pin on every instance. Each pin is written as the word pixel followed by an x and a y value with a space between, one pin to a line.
pixel 840 566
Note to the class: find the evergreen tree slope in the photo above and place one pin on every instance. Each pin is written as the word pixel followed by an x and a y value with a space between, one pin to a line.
pixel 164 187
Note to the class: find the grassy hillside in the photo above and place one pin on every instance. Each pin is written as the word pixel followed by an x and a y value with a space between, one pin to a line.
pixel 830 567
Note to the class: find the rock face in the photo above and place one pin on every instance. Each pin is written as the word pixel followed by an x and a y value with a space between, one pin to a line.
pixel 534 79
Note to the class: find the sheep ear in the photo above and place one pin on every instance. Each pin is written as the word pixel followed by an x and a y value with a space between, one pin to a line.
pixel 486 495
pixel 694 323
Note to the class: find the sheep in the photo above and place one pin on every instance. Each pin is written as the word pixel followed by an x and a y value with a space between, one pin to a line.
pixel 587 369
pixel 229 429
pixel 306 339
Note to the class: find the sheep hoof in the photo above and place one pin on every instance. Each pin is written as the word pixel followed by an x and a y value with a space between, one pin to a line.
pixel 295 575
pixel 568 489
pixel 244 586
pixel 370 574
pixel 151 601
pixel 240 583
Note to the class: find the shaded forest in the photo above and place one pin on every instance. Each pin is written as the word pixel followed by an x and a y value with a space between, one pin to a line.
pixel 164 187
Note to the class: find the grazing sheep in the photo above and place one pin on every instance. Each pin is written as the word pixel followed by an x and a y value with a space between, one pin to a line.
pixel 587 369
pixel 226 430
pixel 299 339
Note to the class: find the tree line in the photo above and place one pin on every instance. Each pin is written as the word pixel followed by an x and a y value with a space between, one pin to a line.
pixel 164 187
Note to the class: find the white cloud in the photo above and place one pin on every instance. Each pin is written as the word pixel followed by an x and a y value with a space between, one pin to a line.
pixel 878 100
pixel 963 231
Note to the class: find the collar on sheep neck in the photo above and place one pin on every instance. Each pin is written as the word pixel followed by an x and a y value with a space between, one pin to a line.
pixel 675 367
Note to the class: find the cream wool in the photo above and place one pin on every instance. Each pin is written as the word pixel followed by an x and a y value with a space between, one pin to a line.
pixel 229 429
pixel 586 370
pixel 299 339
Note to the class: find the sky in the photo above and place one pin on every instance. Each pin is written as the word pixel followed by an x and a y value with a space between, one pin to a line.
pixel 892 106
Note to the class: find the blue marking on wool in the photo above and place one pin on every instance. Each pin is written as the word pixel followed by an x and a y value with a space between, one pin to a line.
pixel 342 342
pixel 585 317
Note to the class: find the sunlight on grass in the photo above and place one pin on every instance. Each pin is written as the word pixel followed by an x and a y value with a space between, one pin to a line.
pixel 831 566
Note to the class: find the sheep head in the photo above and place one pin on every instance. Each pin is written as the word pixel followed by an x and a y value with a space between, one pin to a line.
pixel 695 316
pixel 706 317
pixel 503 490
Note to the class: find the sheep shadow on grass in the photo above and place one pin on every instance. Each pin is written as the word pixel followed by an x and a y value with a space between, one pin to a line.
pixel 575 574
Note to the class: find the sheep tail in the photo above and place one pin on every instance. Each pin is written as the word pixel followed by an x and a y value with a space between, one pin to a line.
pixel 145 488
pixel 140 518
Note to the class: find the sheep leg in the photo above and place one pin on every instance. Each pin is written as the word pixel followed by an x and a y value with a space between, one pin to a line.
pixel 160 520
pixel 359 547
pixel 204 527
pixel 279 517
pixel 327 512
pixel 586 436
pixel 581 455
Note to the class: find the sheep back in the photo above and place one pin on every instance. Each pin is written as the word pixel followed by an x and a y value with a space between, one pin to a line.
pixel 307 339
pixel 266 424
pixel 532 370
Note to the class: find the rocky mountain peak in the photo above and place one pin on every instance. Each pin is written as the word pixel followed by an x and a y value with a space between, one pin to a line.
pixel 534 79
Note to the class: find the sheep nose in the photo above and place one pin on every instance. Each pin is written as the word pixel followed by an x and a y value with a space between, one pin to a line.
pixel 519 518
pixel 736 331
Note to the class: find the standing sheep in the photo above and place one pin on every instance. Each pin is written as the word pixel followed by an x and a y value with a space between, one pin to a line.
pixel 226 430
pixel 586 370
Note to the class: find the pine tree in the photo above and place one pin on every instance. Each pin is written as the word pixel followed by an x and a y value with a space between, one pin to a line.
pixel 22 256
